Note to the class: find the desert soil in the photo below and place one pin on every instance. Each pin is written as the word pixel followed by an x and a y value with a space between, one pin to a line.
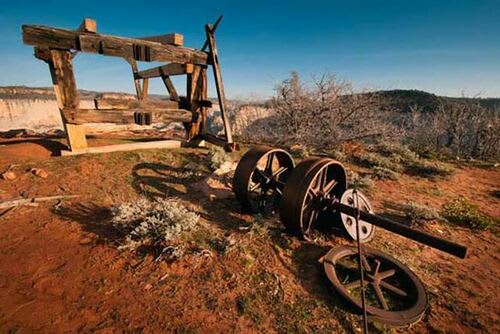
pixel 61 271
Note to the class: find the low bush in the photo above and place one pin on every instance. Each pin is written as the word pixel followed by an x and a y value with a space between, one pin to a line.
pixel 217 157
pixel 372 160
pixel 152 223
pixel 426 168
pixel 460 211
pixel 419 214
pixel 359 182
pixel 382 173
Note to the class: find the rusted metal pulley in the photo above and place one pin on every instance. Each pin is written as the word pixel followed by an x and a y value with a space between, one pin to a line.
pixel 313 184
pixel 260 177
pixel 358 200
pixel 394 294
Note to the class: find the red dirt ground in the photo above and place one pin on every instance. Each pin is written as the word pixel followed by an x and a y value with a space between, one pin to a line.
pixel 60 270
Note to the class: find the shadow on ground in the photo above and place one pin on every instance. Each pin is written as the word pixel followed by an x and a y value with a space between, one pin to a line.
pixel 55 147
pixel 93 218
pixel 155 180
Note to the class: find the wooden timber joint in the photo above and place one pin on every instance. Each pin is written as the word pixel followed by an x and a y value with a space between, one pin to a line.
pixel 143 118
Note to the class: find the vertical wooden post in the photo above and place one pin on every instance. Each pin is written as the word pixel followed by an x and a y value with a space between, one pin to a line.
pixel 193 98
pixel 214 58
pixel 63 79
pixel 145 87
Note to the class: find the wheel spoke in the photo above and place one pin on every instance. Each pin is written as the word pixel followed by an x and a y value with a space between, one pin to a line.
pixel 269 163
pixel 353 285
pixel 261 174
pixel 380 296
pixel 255 187
pixel 386 274
pixel 312 218
pixel 392 288
pixel 329 186
pixel 279 171
pixel 365 263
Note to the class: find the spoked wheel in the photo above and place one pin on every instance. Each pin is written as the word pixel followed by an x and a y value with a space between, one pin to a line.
pixel 260 177
pixel 309 193
pixel 394 295
pixel 357 199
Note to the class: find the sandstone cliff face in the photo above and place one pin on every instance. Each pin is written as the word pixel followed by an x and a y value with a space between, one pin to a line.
pixel 36 109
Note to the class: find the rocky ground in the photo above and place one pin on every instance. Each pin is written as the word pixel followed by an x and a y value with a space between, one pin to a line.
pixel 61 270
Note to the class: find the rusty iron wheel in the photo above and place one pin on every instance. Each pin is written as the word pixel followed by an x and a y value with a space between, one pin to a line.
pixel 260 177
pixel 308 193
pixel 349 223
pixel 394 294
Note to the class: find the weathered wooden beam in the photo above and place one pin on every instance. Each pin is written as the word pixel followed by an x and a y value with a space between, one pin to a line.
pixel 137 49
pixel 165 70
pixel 88 25
pixel 63 79
pixel 214 59
pixel 123 104
pixel 172 92
pixel 145 89
pixel 158 144
pixel 120 116
pixel 172 39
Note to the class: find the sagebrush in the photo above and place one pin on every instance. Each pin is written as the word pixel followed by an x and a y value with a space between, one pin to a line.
pixel 155 223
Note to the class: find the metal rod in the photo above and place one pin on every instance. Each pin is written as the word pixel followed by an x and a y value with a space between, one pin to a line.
pixel 398 228
pixel 360 266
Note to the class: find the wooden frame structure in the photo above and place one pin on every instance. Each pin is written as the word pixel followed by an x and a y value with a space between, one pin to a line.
pixel 58 47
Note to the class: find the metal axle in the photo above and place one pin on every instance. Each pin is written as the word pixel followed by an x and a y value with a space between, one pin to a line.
pixel 408 232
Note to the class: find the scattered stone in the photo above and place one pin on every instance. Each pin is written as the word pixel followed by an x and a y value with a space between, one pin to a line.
pixel 148 287
pixel 40 172
pixel 9 175
pixel 85 241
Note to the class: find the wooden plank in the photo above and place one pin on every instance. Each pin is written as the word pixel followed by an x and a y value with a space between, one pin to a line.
pixel 137 82
pixel 88 25
pixel 159 144
pixel 172 92
pixel 61 70
pixel 145 87
pixel 172 39
pixel 214 28
pixel 137 49
pixel 83 116
pixel 214 59
pixel 106 104
pixel 165 70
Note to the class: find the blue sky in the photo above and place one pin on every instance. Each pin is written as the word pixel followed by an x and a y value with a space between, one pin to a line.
pixel 445 47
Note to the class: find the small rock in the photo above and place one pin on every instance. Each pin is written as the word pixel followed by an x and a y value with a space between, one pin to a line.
pixel 85 241
pixel 40 172
pixel 9 175
pixel 148 287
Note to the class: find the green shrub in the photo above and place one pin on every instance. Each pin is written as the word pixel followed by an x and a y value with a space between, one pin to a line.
pixel 217 157
pixel 428 169
pixel 359 182
pixel 418 214
pixel 372 160
pixel 397 153
pixel 461 212
pixel 384 173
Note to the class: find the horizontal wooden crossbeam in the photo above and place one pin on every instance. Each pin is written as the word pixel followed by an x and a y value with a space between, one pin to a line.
pixel 172 39
pixel 165 70
pixel 138 49
pixel 161 144
pixel 120 116
pixel 106 104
